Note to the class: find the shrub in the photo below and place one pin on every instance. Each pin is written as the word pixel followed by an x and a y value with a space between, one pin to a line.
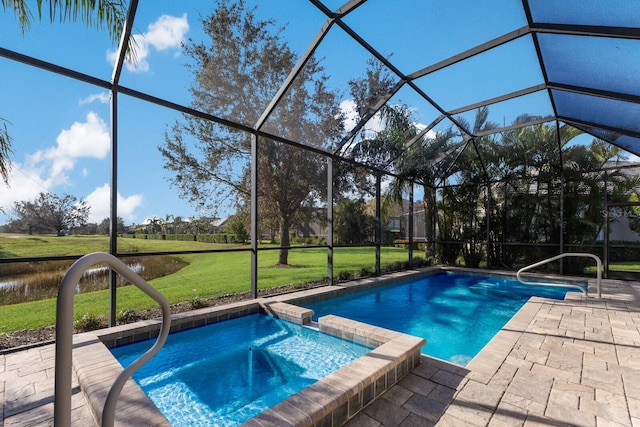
pixel 198 302
pixel 366 272
pixel 126 316
pixel 344 275
pixel 88 322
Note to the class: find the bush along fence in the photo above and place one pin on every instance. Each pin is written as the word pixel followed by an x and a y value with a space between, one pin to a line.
pixel 204 238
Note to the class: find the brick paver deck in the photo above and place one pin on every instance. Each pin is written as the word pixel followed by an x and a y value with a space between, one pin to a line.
pixel 556 363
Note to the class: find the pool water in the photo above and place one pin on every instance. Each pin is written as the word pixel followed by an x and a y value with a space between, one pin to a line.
pixel 457 314
pixel 226 373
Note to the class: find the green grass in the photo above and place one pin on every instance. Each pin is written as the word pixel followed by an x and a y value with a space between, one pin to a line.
pixel 20 245
pixel 206 276
pixel 631 267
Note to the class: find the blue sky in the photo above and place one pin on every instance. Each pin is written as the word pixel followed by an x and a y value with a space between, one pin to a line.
pixel 60 127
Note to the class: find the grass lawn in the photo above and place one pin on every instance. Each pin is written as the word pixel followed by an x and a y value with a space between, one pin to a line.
pixel 630 266
pixel 206 276
pixel 20 245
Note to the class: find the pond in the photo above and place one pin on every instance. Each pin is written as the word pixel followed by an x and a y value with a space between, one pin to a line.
pixel 40 280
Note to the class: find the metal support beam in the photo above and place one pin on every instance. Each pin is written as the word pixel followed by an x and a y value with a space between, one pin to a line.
pixel 608 94
pixel 57 69
pixel 255 235
pixel 113 215
pixel 295 72
pixel 410 224
pixel 605 246
pixel 581 124
pixel 330 219
pixel 378 223
pixel 497 99
pixel 561 218
pixel 587 30
pixel 471 52
pixel 123 48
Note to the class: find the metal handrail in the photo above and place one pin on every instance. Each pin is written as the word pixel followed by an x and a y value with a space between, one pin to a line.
pixel 568 285
pixel 64 336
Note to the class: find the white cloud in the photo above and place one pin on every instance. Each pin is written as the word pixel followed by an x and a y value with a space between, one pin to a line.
pixel 45 169
pixel 88 139
pixel 99 201
pixel 102 97
pixel 166 33
pixel 430 133
pixel 375 124
pixel 348 108
pixel 25 184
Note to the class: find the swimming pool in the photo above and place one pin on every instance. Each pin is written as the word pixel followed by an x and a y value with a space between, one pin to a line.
pixel 456 313
pixel 230 371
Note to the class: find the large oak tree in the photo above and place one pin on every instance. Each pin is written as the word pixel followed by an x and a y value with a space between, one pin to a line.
pixel 237 72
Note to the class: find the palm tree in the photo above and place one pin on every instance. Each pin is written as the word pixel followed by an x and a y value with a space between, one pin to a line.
pixel 101 14
pixel 5 151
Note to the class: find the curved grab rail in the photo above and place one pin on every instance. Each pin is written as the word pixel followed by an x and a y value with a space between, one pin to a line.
pixel 568 285
pixel 64 336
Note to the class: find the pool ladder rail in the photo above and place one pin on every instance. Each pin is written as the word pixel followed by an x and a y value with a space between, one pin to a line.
pixel 565 285
pixel 64 337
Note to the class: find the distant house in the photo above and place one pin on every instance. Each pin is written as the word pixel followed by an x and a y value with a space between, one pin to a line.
pixel 619 216
pixel 312 226
pixel 218 224
pixel 398 224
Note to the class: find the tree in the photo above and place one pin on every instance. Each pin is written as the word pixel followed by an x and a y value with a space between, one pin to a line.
pixel 237 73
pixel 50 213
pixel 100 14
pixel 105 226
pixel 154 225
pixel 421 161
pixel 5 152
pixel 351 222
pixel 238 225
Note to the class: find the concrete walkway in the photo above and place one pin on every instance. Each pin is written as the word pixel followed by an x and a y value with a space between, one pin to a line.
pixel 26 390
pixel 556 363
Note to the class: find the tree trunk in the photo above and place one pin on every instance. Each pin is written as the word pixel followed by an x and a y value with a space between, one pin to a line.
pixel 285 241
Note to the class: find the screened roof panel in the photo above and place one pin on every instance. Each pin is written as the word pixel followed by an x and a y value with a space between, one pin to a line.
pixel 505 113
pixel 423 116
pixel 572 60
pixel 604 63
pixel 166 70
pixel 338 77
pixel 504 69
pixel 430 29
pixel 615 13
pixel 598 111
pixel 628 143
pixel 431 155
pixel 423 112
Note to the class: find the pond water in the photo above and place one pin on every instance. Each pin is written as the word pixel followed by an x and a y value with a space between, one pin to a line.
pixel 44 282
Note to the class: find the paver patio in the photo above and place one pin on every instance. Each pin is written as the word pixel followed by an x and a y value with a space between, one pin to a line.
pixel 556 363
